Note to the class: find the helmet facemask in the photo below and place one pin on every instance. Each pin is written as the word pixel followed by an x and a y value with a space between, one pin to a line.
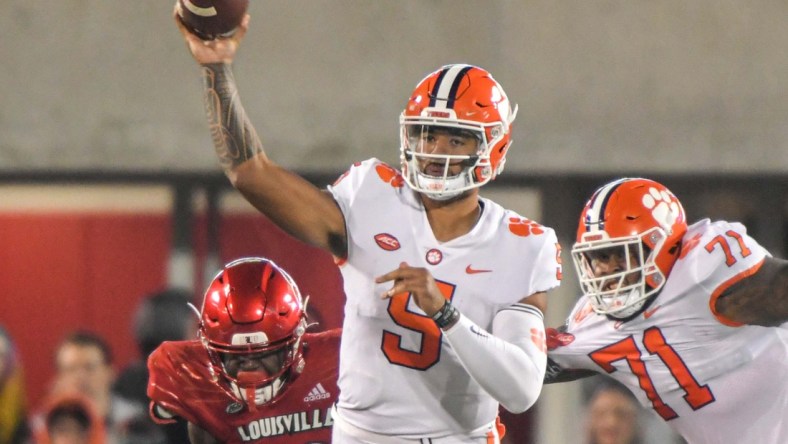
pixel 430 173
pixel 461 98
pixel 261 383
pixel 623 293
pixel 251 324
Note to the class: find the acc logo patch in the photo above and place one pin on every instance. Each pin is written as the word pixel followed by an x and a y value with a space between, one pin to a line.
pixel 387 242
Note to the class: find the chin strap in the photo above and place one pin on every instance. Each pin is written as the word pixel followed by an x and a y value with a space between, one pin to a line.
pixel 450 187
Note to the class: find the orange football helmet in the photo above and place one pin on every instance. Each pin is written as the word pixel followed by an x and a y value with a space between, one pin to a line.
pixel 643 222
pixel 253 308
pixel 464 99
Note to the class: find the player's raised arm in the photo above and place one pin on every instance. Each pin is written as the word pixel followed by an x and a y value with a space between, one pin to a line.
pixel 759 299
pixel 290 201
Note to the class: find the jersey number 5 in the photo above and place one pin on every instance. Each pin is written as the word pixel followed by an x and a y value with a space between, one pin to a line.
pixel 696 395
pixel 430 348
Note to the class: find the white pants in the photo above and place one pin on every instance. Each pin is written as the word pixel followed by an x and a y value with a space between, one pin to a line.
pixel 345 433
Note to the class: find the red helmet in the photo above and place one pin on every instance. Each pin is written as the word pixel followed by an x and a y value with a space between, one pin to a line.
pixel 464 98
pixel 646 219
pixel 253 307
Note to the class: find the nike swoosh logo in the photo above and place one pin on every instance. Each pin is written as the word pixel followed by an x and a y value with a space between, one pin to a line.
pixel 470 270
pixel 649 313
pixel 477 332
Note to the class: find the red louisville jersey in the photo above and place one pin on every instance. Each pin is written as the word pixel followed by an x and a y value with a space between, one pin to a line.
pixel 184 383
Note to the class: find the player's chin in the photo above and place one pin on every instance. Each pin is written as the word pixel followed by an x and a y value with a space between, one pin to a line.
pixel 461 196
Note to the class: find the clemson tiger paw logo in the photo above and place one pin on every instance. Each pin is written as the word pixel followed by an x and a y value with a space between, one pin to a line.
pixel 390 175
pixel 664 208
pixel 524 227
pixel 539 340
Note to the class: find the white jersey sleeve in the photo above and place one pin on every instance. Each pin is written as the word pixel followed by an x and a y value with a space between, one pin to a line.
pixel 345 188
pixel 718 255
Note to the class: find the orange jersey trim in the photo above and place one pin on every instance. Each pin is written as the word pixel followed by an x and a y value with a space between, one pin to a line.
pixel 726 285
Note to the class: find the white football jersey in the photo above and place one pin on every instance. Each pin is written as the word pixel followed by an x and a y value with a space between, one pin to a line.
pixel 712 380
pixel 397 374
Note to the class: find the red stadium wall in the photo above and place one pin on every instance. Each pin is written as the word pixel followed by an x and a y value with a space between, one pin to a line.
pixel 62 272
pixel 312 268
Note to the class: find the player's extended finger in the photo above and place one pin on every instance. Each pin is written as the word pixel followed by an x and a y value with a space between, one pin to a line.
pixel 389 293
pixel 400 286
pixel 390 276
pixel 400 273
pixel 242 28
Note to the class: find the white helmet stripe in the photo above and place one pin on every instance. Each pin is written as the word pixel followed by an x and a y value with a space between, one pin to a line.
pixel 596 209
pixel 443 94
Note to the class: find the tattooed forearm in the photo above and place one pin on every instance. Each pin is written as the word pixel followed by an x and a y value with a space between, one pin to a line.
pixel 761 299
pixel 234 138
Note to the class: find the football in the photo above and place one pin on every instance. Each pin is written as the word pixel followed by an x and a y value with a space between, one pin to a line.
pixel 209 19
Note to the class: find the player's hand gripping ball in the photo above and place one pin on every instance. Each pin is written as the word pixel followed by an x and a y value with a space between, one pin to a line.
pixel 210 19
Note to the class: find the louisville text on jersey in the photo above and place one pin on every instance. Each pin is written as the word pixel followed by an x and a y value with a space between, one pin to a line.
pixel 286 424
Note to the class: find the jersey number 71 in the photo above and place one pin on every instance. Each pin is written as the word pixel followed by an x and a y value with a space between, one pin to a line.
pixel 696 395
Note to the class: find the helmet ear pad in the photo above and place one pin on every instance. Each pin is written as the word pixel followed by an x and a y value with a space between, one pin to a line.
pixel 487 173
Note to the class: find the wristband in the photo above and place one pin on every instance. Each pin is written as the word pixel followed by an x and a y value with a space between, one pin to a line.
pixel 446 316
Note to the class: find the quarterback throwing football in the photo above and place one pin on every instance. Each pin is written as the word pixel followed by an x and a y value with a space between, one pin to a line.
pixel 445 289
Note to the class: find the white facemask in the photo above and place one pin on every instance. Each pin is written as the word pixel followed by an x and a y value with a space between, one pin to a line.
pixel 260 395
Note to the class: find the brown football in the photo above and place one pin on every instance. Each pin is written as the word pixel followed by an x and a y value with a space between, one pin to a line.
pixel 209 19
